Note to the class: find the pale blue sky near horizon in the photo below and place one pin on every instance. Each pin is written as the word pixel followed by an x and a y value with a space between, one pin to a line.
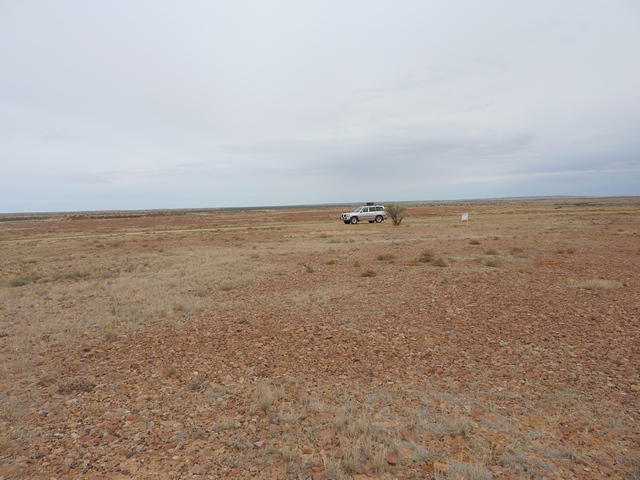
pixel 163 104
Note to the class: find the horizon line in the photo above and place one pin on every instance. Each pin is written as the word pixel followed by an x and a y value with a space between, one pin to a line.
pixel 305 205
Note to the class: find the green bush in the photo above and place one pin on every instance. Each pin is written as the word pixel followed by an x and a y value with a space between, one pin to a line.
pixel 396 212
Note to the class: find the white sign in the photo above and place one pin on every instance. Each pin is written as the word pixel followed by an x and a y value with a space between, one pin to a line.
pixel 465 217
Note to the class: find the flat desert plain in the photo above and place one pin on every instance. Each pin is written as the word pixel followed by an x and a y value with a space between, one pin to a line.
pixel 284 344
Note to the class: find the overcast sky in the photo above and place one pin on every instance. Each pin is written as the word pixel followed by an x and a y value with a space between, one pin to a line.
pixel 169 104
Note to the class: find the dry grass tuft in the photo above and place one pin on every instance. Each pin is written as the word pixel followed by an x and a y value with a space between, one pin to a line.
pixel 75 386
pixel 198 386
pixel 368 273
pixel 427 256
pixel 225 424
pixel 110 335
pixel 597 284
pixel 169 372
pixel 264 396
pixel 386 256
pixel 440 262
pixel 474 242
pixel 469 471
pixel 333 469
pixel 23 280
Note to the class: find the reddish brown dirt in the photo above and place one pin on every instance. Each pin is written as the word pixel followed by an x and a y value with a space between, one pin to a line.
pixel 518 359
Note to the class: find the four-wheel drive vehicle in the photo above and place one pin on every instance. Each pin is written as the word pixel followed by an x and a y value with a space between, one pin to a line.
pixel 370 213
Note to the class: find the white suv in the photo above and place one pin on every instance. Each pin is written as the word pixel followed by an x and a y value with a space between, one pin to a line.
pixel 371 213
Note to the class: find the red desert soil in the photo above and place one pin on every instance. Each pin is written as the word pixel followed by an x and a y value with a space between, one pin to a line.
pixel 249 344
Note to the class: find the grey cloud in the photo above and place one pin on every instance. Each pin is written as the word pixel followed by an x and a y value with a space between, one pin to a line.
pixel 245 103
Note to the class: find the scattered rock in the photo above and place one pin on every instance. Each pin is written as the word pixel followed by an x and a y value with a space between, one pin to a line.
pixel 392 458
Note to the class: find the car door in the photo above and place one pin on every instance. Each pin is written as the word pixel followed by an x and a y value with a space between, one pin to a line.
pixel 366 213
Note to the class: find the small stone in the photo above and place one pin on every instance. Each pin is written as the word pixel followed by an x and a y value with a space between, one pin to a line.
pixel 307 450
pixel 392 458
pixel 338 453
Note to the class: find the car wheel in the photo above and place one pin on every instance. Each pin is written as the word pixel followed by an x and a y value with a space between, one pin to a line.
pixel 354 220
pixel 379 219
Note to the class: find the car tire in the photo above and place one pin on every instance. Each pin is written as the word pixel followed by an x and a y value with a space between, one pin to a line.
pixel 354 220
pixel 379 219
pixel 346 222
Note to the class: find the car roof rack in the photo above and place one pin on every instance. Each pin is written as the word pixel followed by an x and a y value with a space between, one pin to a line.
pixel 370 203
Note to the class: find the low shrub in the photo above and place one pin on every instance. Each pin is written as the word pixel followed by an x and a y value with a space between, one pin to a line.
pixel 396 212
pixel 427 256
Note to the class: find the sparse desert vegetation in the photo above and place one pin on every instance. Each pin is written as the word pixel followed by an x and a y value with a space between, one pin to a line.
pixel 396 213
pixel 274 344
